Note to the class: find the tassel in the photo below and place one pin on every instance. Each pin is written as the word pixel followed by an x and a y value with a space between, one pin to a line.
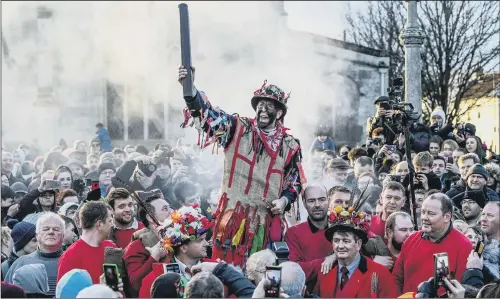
pixel 239 234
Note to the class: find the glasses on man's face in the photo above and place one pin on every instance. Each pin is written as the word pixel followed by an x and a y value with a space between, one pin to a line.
pixel 468 202
pixel 95 145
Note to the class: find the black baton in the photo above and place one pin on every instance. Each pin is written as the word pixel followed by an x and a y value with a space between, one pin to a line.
pixel 187 83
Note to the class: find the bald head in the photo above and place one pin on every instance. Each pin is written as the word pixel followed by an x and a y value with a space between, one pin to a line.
pixel 314 190
pixel 316 202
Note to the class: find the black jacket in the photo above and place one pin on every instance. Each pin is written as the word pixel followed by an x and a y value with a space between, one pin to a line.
pixel 235 282
pixel 460 188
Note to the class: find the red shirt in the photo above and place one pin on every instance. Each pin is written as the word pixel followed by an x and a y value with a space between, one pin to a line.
pixel 377 226
pixel 81 255
pixel 138 262
pixel 123 237
pixel 415 263
pixel 308 247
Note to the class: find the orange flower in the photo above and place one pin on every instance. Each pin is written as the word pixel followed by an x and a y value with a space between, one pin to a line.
pixel 167 245
pixel 350 210
pixel 176 217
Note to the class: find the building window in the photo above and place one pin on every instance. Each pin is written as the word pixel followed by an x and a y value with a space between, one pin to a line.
pixel 140 119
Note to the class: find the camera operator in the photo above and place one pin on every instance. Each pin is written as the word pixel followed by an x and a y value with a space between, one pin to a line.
pixel 382 119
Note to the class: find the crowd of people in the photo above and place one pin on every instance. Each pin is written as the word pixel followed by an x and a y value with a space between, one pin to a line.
pixel 102 222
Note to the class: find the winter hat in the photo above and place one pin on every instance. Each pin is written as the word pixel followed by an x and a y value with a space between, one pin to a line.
pixel 478 169
pixel 438 111
pixel 7 192
pixel 475 195
pixel 167 285
pixel 72 283
pixel 32 278
pixel 97 291
pixel 470 128
pixel 19 187
pixel 21 233
pixel 134 155
pixel 106 166
pixel 33 217
pixel 12 291
pixel 338 163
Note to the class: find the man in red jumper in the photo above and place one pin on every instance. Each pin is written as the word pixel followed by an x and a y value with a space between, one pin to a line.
pixel 87 253
pixel 306 241
pixel 123 212
pixel 415 263
pixel 353 275
pixel 146 248
pixel 392 200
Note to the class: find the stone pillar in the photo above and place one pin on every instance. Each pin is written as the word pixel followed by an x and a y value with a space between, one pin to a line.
pixel 383 80
pixel 412 39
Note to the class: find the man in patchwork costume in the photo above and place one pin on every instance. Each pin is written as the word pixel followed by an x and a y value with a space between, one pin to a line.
pixel 262 170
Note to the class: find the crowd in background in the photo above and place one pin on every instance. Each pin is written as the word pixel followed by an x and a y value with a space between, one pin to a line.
pixel 71 210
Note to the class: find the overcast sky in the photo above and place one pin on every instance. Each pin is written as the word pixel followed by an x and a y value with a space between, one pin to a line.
pixel 321 17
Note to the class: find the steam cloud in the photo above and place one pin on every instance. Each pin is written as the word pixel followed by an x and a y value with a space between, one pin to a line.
pixel 236 45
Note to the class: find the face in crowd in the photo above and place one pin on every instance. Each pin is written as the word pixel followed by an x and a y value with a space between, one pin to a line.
pixel 267 113
pixel 434 221
pixel 346 246
pixel 316 202
pixel 403 228
pixel 339 198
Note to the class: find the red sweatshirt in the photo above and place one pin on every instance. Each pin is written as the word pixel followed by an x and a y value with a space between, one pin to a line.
pixel 123 237
pixel 308 247
pixel 415 263
pixel 81 255
pixel 138 262
pixel 378 226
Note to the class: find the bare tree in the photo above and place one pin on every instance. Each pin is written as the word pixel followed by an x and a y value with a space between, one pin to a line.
pixel 459 41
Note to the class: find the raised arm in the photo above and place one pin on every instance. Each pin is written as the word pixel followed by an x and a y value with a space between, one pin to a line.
pixel 212 123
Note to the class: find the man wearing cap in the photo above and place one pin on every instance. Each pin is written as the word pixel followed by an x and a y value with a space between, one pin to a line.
pixel 353 275
pixel 23 234
pixel 337 171
pixel 184 241
pixel 107 171
pixel 476 180
pixel 262 174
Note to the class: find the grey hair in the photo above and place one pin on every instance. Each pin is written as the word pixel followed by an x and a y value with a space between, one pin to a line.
pixel 204 285
pixel 97 291
pixel 258 261
pixel 293 279
pixel 47 216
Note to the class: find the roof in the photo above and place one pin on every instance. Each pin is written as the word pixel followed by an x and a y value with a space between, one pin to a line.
pixel 487 85
pixel 343 45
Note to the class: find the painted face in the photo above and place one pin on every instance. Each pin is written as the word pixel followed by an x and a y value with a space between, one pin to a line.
pixel 266 113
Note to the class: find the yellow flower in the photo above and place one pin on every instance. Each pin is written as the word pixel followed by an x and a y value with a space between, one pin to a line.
pixel 361 215
pixel 350 210
pixel 176 217
pixel 338 209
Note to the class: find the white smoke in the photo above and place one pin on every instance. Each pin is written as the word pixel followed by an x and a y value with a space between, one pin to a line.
pixel 235 46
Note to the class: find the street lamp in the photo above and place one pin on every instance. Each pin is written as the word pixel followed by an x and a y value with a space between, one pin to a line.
pixel 412 39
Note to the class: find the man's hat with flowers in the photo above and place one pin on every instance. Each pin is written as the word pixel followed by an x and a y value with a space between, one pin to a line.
pixel 184 225
pixel 347 220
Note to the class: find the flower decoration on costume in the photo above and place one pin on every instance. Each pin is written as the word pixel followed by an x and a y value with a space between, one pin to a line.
pixel 185 224
pixel 340 216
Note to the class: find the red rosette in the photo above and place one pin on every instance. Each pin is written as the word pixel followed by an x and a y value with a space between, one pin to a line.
pixel 190 230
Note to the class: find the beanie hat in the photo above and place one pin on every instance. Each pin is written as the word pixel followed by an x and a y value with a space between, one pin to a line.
pixel 475 195
pixel 438 111
pixel 470 128
pixel 105 166
pixel 74 162
pixel 7 192
pixel 64 208
pixel 478 169
pixel 22 233
pixel 72 283
pixel 19 187
pixel 167 286
pixel 338 163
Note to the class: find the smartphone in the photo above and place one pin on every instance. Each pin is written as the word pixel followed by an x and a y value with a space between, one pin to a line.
pixel 88 182
pixel 441 268
pixel 111 275
pixel 52 185
pixel 391 148
pixel 479 248
pixel 171 268
pixel 273 275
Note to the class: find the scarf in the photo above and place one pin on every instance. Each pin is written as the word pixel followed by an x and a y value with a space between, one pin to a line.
pixel 271 140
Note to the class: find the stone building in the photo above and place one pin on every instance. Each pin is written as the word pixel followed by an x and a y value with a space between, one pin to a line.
pixel 52 109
